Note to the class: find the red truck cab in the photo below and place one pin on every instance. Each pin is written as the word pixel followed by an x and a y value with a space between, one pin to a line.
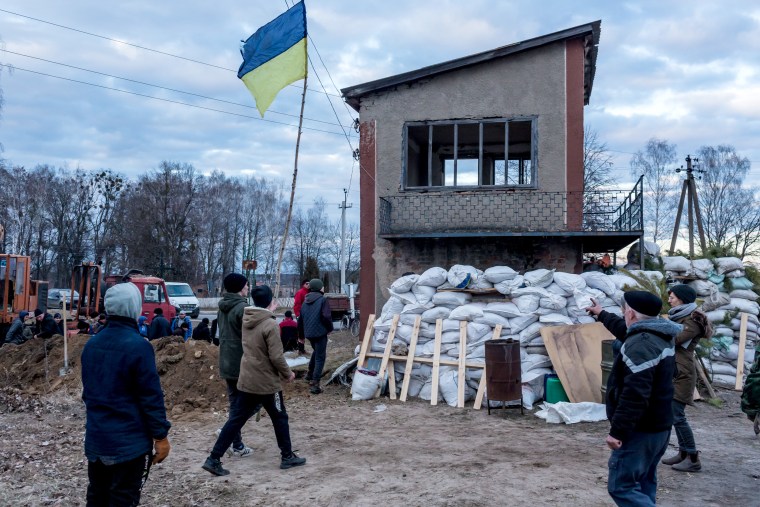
pixel 153 290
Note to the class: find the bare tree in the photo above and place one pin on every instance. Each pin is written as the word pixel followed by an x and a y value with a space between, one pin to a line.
pixel 660 185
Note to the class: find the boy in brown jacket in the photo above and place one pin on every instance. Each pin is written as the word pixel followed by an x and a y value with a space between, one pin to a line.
pixel 262 370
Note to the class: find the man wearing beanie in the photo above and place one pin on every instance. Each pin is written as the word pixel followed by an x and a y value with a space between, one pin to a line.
pixel 230 325
pixel 639 396
pixel 46 326
pixel 262 370
pixel 696 325
pixel 315 323
pixel 126 418
pixel 15 334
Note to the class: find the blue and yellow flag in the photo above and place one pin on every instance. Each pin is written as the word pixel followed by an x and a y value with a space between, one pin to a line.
pixel 275 56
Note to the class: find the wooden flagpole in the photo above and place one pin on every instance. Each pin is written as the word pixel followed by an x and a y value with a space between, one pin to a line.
pixel 292 190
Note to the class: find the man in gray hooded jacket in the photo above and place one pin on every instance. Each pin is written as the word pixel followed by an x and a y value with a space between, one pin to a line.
pixel 230 323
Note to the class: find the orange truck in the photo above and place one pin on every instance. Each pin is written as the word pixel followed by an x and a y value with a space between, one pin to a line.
pixel 17 291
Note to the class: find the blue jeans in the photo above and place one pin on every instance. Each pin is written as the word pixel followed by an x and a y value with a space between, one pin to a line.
pixel 683 430
pixel 246 405
pixel 232 395
pixel 317 361
pixel 632 480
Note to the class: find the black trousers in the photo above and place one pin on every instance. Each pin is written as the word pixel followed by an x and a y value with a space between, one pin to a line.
pixel 115 485
pixel 246 405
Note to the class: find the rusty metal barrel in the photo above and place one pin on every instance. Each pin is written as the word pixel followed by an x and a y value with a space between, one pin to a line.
pixel 503 370
pixel 608 356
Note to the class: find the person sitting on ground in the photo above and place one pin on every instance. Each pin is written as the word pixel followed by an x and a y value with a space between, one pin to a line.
pixel 202 332
pixel 262 370
pixel 15 334
pixel 180 319
pixel 289 332
pixel 100 323
pixel 159 326
pixel 181 331
pixel 696 325
pixel 58 322
pixel 46 326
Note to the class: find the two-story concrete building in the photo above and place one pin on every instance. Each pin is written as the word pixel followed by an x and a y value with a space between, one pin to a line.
pixel 479 161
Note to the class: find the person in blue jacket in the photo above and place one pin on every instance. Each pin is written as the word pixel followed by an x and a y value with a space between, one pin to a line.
pixel 177 323
pixel 126 417
pixel 142 326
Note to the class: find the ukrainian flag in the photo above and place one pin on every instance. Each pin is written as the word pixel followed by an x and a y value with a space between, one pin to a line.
pixel 275 56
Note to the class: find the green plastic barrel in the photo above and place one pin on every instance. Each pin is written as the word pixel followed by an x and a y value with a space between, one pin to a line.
pixel 553 390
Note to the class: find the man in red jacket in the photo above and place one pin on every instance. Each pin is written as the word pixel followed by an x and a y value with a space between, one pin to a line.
pixel 300 296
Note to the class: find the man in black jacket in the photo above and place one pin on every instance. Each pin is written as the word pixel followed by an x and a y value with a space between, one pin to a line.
pixel 314 323
pixel 639 397
pixel 46 324
pixel 159 326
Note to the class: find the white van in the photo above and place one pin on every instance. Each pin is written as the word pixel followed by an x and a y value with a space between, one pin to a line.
pixel 182 296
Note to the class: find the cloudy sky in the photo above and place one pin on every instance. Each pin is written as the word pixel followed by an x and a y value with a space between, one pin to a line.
pixel 684 71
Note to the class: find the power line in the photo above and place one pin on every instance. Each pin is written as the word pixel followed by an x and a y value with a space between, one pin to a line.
pixel 160 87
pixel 168 100
pixel 128 43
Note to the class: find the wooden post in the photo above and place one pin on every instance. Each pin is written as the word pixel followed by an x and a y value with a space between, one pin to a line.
pixel 462 359
pixel 436 362
pixel 740 359
pixel 410 358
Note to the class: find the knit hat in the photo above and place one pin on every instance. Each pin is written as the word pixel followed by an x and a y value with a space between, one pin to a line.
pixel 123 300
pixel 234 282
pixel 158 311
pixel 57 316
pixel 38 312
pixel 684 293
pixel 205 320
pixel 643 302
pixel 22 314
pixel 262 296
pixel 316 285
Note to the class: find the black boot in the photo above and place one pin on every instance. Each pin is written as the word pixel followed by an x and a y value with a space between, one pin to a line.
pixel 674 460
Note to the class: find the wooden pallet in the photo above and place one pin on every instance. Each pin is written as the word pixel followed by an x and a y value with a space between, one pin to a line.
pixel 388 361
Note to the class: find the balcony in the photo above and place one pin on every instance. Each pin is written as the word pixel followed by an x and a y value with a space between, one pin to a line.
pixel 599 214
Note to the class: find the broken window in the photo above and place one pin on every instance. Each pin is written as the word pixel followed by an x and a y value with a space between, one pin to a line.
pixel 467 153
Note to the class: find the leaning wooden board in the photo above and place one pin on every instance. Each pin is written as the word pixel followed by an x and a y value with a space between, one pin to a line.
pixel 576 354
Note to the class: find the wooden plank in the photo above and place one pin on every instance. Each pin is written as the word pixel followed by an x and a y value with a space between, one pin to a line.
pixel 703 376
pixel 576 354
pixel 366 342
pixel 436 362
pixel 387 354
pixel 740 359
pixel 462 359
pixel 391 379
pixel 482 385
pixel 410 358
pixel 426 360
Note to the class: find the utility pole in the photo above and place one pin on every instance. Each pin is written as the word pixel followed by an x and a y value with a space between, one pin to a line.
pixel 689 189
pixel 343 207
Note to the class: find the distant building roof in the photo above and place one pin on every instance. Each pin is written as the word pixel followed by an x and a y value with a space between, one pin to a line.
pixel 589 31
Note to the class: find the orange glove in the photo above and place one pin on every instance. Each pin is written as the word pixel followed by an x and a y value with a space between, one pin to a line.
pixel 162 448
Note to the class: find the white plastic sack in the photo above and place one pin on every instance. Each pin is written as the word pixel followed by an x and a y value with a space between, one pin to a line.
pixel 364 386
pixel 744 294
pixel 703 287
pixel 481 283
pixel 539 277
pixel 519 323
pixel 507 310
pixel 451 298
pixel 600 281
pixel 726 264
pixel 507 286
pixel 433 277
pixel 569 282
pixel 491 319
pixel 676 263
pixel 555 319
pixel 498 274
pixel 405 297
pixel 460 276
pixel 530 332
pixel 553 302
pixel 527 303
pixel 404 284
pixel 392 307
pixel 423 293
pixel 415 309
pixel 435 313
pixel 476 331
pixel 621 281
pixel 571 413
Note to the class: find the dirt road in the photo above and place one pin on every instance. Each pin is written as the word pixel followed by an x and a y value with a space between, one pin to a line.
pixel 408 454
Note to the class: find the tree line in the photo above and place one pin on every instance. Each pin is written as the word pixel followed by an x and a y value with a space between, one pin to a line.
pixel 171 221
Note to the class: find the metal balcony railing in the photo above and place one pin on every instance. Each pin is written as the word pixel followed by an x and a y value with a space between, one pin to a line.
pixel 512 211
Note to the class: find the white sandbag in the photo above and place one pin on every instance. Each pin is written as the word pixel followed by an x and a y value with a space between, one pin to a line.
pixel 723 331
pixel 569 282
pixel 530 291
pixel 529 397
pixel 731 354
pixel 715 300
pixel 364 385
pixel 517 324
pixel 449 387
pixel 530 332
pixel 405 297
pixel 716 315
pixel 587 319
pixel 737 273
pixel 450 325
pixel 498 274
pixel 527 303
pixel 476 331
pixel 702 268
pixel 481 284
pixel 427 349
pixel 451 298
pixel 536 374
pixel 724 380
pixel 450 337
pixel 622 281
pixel 533 361
pixel 582 298
pixel 742 305
pixel 404 284
pixel 423 293
pixel 553 302
pixel 460 276
pixel 539 277
pixel 744 294
pixel 571 413
pixel 507 310
pixel 435 313
pixel 492 320
pixel 600 281
pixel 466 312
pixel 725 264
pixel 404 332
pixel 394 306
pixel 654 276
pixel 415 309
pixel 415 386
pixel 433 277
pixel 537 341
pixel 559 291
pixel 555 319
pixel 722 368
pixel 703 287
pixel 676 264
pixel 427 391
pixel 537 349
pixel 507 286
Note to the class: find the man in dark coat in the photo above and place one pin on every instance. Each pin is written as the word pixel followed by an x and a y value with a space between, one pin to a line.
pixel 315 323
pixel 126 418
pixel 230 321
pixel 15 334
pixel 639 397
pixel 159 326
pixel 202 332
pixel 46 324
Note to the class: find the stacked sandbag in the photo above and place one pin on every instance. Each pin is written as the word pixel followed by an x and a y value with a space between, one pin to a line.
pixel 537 298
